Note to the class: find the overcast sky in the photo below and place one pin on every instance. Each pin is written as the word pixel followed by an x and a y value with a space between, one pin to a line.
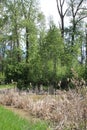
pixel 49 8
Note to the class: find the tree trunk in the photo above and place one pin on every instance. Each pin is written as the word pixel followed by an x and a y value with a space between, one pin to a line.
pixel 27 45
pixel 86 50
pixel 62 27
pixel 18 45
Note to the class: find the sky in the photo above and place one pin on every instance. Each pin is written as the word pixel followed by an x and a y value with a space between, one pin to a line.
pixel 49 8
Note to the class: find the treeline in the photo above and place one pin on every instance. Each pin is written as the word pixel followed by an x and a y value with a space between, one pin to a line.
pixel 32 53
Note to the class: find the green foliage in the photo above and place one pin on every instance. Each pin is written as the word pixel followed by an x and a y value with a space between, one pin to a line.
pixel 48 58
pixel 2 78
pixel 51 50
pixel 7 86
pixel 54 43
pixel 16 71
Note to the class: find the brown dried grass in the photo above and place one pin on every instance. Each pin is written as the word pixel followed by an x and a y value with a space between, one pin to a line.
pixel 67 109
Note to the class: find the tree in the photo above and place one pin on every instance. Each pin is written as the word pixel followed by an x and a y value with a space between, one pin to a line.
pixel 14 31
pixel 30 19
pixel 62 14
pixel 78 12
pixel 3 31
pixel 54 48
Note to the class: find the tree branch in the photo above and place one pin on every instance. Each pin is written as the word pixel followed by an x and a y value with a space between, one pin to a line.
pixel 63 2
pixel 78 7
pixel 23 9
pixel 58 7
pixel 30 9
pixel 66 11
pixel 81 19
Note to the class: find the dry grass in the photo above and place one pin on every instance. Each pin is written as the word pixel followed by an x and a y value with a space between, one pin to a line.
pixel 68 109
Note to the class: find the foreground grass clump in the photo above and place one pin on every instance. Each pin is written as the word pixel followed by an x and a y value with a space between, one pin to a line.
pixel 11 121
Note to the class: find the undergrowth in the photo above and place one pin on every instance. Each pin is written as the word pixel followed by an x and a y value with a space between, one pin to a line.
pixel 68 109
pixel 6 86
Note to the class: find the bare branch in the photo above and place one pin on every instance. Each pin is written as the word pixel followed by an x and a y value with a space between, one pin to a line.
pixel 63 2
pixel 60 3
pixel 58 7
pixel 78 7
pixel 66 11
pixel 80 18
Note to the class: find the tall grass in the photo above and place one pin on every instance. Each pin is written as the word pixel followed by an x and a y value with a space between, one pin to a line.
pixel 11 121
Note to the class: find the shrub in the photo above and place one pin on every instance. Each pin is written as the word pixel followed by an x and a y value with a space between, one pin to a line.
pixel 18 73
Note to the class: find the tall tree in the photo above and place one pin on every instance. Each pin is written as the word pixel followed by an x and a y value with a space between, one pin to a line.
pixel 54 47
pixel 62 14
pixel 30 15
pixel 77 12
pixel 3 31
pixel 11 29
pixel 15 16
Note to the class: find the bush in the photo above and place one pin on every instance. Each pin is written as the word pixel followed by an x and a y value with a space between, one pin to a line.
pixel 19 73
pixel 20 84
pixel 2 78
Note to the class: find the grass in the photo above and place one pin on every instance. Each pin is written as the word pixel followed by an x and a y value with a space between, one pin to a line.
pixel 6 86
pixel 11 121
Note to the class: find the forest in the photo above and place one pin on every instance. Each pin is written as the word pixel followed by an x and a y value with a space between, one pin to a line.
pixel 43 67
pixel 33 53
